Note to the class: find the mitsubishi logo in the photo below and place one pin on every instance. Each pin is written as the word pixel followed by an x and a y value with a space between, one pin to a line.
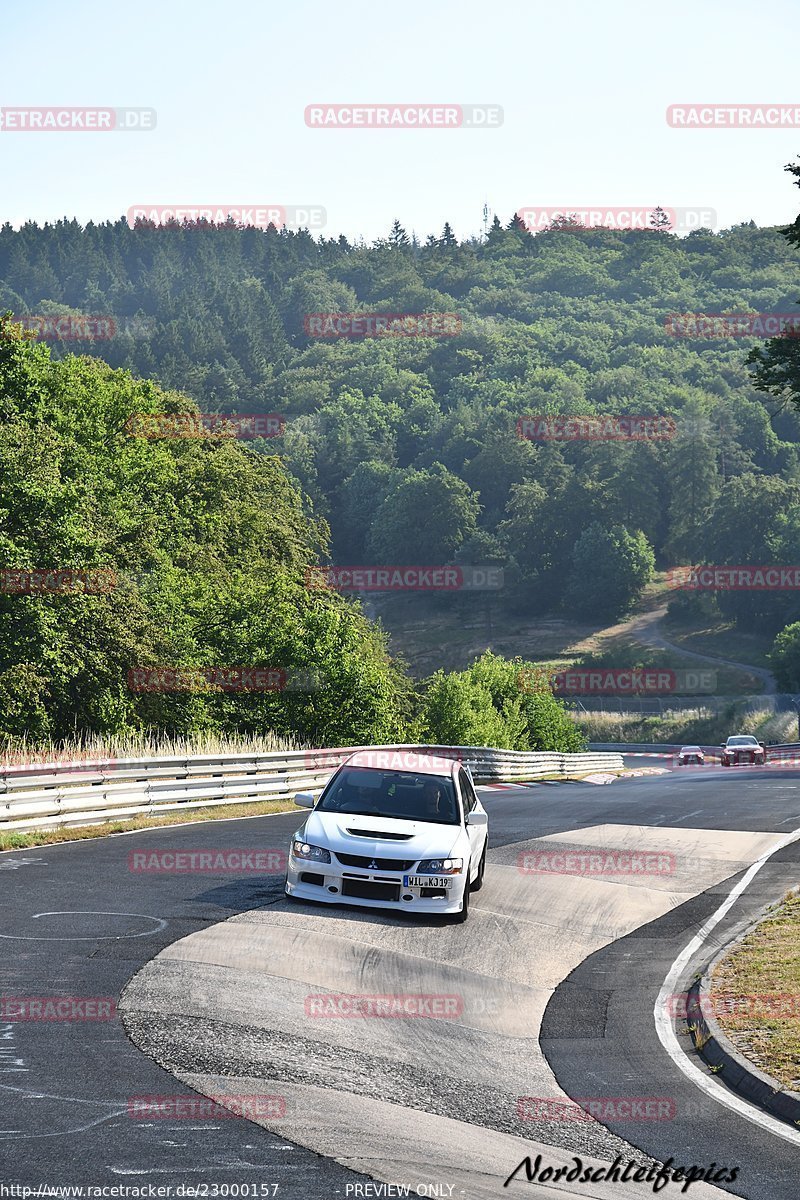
pixel 373 866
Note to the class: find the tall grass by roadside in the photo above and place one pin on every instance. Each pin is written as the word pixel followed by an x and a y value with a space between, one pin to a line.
pixel 94 748
pixel 697 725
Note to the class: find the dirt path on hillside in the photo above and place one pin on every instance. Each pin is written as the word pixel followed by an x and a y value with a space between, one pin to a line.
pixel 646 628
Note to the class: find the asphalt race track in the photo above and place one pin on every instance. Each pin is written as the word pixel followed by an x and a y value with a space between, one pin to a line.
pixel 555 974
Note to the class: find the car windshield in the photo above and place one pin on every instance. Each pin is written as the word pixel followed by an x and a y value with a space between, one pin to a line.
pixel 404 795
pixel 742 741
pixel 691 750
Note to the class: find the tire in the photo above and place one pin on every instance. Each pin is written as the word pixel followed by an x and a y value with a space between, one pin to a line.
pixel 478 881
pixel 460 917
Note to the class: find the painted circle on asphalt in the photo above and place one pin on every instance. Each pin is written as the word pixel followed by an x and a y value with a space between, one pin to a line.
pixel 83 925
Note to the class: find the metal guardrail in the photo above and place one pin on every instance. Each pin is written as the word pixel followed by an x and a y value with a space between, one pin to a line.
pixel 52 795
pixel 671 748
pixel 666 748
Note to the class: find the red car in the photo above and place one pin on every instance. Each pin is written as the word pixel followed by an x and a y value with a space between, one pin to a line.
pixel 743 748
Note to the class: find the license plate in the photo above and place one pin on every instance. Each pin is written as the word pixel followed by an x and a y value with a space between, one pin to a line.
pixel 429 881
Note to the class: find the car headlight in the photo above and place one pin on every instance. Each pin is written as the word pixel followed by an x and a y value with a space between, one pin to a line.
pixel 441 866
pixel 310 853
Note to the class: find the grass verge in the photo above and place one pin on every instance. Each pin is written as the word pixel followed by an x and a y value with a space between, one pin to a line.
pixel 19 751
pixel 698 725
pixel 755 994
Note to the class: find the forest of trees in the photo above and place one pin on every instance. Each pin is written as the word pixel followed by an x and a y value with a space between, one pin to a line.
pixel 407 446
pixel 127 559
pixel 399 450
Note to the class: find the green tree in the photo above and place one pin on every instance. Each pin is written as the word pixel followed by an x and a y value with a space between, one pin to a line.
pixel 776 366
pixel 610 567
pixel 199 549
pixel 694 482
pixel 424 519
pixel 785 658
pixel 493 704
pixel 398 236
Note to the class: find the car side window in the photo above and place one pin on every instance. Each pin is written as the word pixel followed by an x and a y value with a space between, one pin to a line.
pixel 467 791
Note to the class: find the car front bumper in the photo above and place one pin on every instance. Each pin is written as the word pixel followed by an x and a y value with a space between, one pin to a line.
pixel 336 884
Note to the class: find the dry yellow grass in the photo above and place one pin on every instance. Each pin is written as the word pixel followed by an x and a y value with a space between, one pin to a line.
pixel 756 994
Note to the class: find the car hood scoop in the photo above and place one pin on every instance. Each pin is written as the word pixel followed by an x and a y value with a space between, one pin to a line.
pixel 387 834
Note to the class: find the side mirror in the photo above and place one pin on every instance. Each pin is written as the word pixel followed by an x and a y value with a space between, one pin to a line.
pixel 477 818
pixel 304 799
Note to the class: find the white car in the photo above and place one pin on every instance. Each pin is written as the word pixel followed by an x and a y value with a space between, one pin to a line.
pixel 397 830
pixel 691 754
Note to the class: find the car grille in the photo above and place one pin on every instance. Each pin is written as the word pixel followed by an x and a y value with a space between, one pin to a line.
pixel 366 889
pixel 368 863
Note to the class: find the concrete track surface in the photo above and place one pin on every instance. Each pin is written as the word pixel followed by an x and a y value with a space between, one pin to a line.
pixel 551 985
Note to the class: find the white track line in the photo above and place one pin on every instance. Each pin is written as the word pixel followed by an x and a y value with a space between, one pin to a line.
pixel 663 1021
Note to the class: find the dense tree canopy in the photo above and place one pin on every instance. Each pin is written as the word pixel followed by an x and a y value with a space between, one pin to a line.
pixel 187 553
pixel 408 447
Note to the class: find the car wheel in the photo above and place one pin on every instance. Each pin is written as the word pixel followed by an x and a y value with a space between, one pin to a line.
pixel 478 882
pixel 460 917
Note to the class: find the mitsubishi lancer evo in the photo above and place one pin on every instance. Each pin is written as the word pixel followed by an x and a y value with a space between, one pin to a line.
pixel 396 830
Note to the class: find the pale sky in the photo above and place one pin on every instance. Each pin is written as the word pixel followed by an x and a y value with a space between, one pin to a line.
pixel 584 89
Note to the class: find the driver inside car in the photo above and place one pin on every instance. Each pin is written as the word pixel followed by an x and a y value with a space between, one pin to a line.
pixel 438 806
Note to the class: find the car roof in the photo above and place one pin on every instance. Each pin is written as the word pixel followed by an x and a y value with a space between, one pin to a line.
pixel 742 737
pixel 416 762
pixel 691 748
